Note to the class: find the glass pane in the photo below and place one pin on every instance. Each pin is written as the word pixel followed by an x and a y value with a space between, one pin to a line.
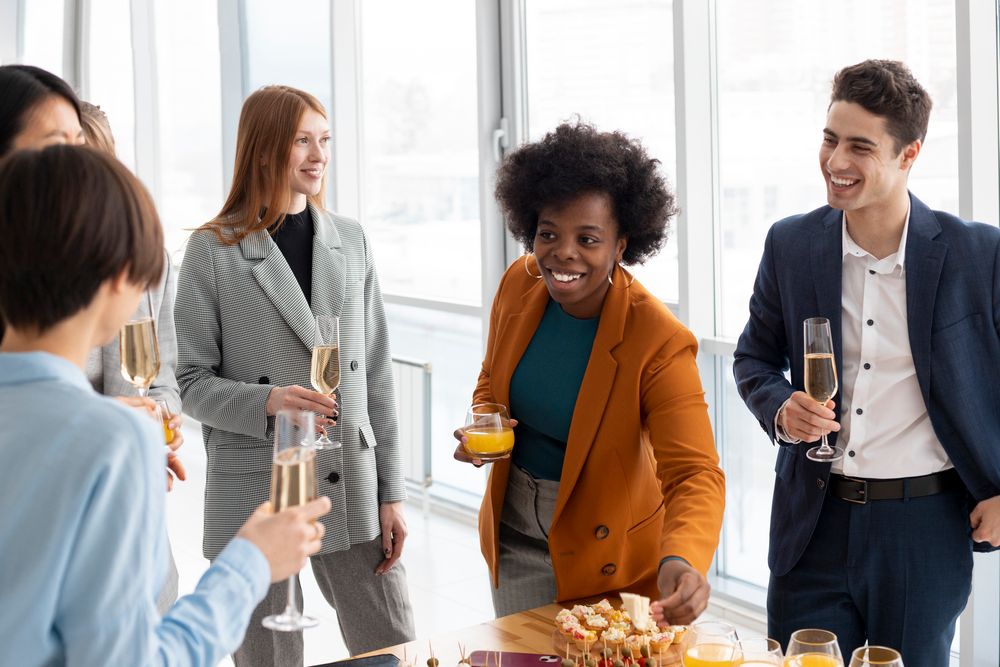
pixel 43 34
pixel 419 147
pixel 748 458
pixel 288 43
pixel 111 74
pixel 613 64
pixel 190 116
pixel 453 346
pixel 771 114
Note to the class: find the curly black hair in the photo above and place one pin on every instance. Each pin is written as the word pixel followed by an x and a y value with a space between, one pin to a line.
pixel 575 159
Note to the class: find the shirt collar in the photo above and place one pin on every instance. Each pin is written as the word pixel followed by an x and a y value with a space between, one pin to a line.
pixel 26 367
pixel 887 264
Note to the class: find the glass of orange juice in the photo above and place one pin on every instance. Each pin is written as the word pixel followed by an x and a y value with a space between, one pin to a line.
pixel 163 411
pixel 876 656
pixel 711 644
pixel 813 648
pixel 759 651
pixel 488 432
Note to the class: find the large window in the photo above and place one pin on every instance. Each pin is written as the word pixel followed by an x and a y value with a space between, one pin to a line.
pixel 42 35
pixel 111 85
pixel 420 156
pixel 611 64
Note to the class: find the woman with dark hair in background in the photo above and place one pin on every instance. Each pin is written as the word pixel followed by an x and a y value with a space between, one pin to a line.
pixel 614 482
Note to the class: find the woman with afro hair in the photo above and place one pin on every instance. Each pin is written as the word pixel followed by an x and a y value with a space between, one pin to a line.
pixel 614 481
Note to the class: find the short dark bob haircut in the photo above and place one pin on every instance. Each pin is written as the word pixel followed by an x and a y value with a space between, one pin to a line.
pixel 575 159
pixel 886 88
pixel 22 88
pixel 71 217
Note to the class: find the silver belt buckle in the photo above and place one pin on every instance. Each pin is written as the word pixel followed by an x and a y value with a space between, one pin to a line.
pixel 864 491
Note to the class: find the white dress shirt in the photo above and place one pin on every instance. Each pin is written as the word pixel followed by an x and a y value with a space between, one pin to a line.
pixel 884 427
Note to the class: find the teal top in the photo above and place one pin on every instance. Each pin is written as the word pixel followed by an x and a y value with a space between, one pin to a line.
pixel 544 388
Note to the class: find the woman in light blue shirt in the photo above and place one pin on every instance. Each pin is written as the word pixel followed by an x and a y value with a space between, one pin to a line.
pixel 82 543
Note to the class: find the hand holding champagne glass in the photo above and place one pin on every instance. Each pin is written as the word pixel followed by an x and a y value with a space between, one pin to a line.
pixel 813 648
pixel 138 348
pixel 820 377
pixel 293 483
pixel 325 372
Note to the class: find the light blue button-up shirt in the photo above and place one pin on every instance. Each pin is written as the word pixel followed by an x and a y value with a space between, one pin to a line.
pixel 83 537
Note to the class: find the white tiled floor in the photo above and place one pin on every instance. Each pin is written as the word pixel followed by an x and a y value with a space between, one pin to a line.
pixel 449 586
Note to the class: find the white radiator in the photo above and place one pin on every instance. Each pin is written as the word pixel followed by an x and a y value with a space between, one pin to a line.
pixel 412 379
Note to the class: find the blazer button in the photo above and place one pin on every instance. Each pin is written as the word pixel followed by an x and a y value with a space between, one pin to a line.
pixel 601 532
pixel 264 380
pixel 609 569
pixel 820 483
pixel 333 477
pixel 354 365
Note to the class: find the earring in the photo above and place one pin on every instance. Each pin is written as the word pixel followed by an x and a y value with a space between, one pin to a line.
pixel 528 271
pixel 630 276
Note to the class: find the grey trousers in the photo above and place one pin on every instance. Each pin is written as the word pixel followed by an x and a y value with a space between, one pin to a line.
pixel 372 611
pixel 526 577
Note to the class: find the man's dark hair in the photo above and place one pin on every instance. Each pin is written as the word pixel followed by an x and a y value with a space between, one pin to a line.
pixel 22 88
pixel 886 88
pixel 71 217
pixel 576 159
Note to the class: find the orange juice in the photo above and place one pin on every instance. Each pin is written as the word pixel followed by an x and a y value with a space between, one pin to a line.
pixel 168 433
pixel 489 441
pixel 711 655
pixel 811 660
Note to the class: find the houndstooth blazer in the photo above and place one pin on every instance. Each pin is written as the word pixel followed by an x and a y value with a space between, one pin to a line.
pixel 244 327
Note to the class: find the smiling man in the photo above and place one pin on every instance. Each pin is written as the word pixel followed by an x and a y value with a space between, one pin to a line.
pixel 877 545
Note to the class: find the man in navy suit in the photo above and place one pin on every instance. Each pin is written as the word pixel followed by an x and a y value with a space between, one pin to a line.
pixel 877 545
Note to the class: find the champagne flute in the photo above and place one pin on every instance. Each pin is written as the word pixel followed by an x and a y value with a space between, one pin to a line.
pixel 820 377
pixel 813 648
pixel 488 432
pixel 325 372
pixel 711 644
pixel 760 652
pixel 876 656
pixel 138 348
pixel 293 482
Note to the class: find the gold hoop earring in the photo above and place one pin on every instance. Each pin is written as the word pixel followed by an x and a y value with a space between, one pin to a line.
pixel 528 271
pixel 630 276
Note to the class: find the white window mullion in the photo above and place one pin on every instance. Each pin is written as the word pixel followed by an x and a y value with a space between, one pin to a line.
pixel 147 112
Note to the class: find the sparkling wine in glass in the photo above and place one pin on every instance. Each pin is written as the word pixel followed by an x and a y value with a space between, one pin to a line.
pixel 813 648
pixel 325 371
pixel 820 377
pixel 711 644
pixel 488 433
pixel 139 350
pixel 876 656
pixel 293 482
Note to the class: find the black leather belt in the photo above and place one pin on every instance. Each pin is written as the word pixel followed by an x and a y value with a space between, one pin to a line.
pixel 856 490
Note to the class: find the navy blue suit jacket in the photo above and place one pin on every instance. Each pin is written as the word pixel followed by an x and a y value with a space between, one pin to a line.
pixel 953 318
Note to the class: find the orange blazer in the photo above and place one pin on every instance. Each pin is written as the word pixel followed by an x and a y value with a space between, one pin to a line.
pixel 641 477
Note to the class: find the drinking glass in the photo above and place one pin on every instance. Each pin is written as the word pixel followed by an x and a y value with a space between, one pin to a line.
pixel 760 651
pixel 293 482
pixel 813 648
pixel 487 428
pixel 711 644
pixel 820 377
pixel 138 348
pixel 325 372
pixel 876 656
pixel 163 414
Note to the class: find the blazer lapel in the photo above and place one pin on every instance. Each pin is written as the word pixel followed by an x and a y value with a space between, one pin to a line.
pixel 278 282
pixel 595 389
pixel 329 266
pixel 923 263
pixel 827 261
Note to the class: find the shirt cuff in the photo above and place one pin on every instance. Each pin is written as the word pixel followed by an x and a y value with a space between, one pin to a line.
pixel 669 558
pixel 244 557
pixel 780 432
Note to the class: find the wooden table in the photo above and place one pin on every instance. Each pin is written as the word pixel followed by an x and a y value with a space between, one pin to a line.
pixel 525 632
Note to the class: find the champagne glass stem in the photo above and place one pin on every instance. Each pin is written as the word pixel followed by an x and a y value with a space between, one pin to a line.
pixel 291 610
pixel 824 448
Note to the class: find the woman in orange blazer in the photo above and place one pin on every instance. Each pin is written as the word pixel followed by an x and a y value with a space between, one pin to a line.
pixel 614 482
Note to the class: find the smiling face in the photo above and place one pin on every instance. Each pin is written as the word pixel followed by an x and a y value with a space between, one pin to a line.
pixel 51 121
pixel 308 159
pixel 864 172
pixel 577 244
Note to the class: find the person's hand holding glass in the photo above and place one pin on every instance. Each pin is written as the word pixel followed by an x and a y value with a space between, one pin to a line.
pixel 325 370
pixel 710 644
pixel 820 377
pixel 813 648
pixel 293 483
pixel 173 438
pixel 488 434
